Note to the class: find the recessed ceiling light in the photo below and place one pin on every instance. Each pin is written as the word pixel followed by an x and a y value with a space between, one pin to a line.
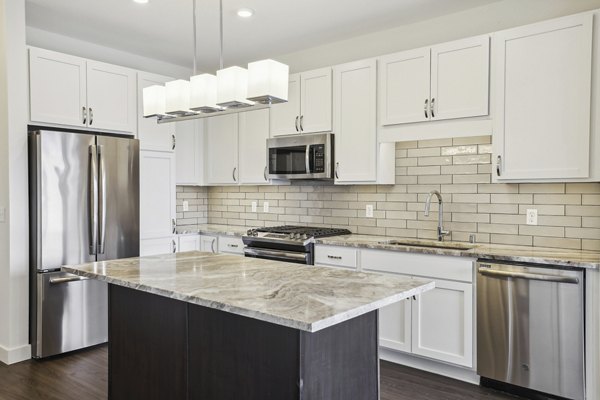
pixel 245 12
pixel 141 1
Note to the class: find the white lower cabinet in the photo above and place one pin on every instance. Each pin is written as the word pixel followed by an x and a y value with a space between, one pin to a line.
pixel 209 243
pixel 188 243
pixel 231 245
pixel 442 323
pixel 437 324
pixel 336 257
pixel 153 247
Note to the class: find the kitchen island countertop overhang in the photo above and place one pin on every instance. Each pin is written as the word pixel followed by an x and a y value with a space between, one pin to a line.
pixel 302 297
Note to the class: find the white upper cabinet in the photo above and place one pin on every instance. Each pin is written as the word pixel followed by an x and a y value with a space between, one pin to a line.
pixel 57 88
pixel 111 97
pixel 446 81
pixel 460 79
pixel 309 108
pixel 355 121
pixel 157 194
pixel 67 90
pixel 152 136
pixel 189 151
pixel 543 100
pixel 284 116
pixel 315 100
pixel 404 87
pixel 253 135
pixel 222 150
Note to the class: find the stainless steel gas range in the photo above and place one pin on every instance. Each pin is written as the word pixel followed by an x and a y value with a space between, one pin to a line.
pixel 286 243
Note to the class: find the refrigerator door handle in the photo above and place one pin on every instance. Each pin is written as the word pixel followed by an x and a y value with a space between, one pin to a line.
pixel 102 200
pixel 93 199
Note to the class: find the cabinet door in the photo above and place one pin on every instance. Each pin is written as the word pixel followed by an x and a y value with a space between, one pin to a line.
pixel 209 244
pixel 188 243
pixel 404 87
pixel 543 91
pixel 315 101
pixel 56 88
pixel 355 103
pixel 284 116
pixel 460 78
pixel 111 97
pixel 157 194
pixel 395 326
pixel 189 152
pixel 442 323
pixel 152 136
pixel 253 135
pixel 153 247
pixel 222 149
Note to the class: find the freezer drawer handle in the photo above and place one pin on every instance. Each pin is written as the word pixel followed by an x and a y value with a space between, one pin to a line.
pixel 528 275
pixel 101 200
pixel 56 281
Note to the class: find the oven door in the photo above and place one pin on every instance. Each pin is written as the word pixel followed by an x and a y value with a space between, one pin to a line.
pixel 278 255
pixel 300 157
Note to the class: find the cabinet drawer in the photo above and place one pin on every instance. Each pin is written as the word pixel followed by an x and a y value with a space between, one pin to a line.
pixel 335 256
pixel 431 266
pixel 230 244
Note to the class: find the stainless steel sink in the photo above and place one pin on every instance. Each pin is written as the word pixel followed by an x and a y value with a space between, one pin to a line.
pixel 429 244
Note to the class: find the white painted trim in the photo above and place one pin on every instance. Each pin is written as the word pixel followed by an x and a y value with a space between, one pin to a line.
pixel 15 355
pixel 435 367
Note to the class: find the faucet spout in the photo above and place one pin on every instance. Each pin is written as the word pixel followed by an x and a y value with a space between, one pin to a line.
pixel 440 229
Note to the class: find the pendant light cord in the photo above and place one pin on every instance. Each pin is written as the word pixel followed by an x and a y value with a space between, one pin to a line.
pixel 195 44
pixel 221 31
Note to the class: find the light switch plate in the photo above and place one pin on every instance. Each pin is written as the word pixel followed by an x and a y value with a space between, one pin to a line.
pixel 532 216
pixel 266 206
pixel 186 205
pixel 369 211
pixel 254 206
pixel 2 214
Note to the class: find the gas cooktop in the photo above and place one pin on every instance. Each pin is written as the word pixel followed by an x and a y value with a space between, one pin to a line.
pixel 296 232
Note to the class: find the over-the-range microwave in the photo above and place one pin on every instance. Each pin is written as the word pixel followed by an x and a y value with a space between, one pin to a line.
pixel 300 157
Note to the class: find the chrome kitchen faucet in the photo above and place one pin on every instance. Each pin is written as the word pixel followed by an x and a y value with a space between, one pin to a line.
pixel 440 229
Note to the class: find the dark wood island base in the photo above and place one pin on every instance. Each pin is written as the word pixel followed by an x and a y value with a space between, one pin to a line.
pixel 161 348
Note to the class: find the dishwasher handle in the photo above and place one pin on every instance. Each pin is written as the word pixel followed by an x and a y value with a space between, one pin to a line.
pixel 527 275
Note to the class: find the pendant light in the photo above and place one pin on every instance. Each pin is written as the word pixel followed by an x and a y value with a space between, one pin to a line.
pixel 265 82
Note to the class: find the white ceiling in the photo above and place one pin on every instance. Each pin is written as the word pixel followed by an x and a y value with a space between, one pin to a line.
pixel 162 29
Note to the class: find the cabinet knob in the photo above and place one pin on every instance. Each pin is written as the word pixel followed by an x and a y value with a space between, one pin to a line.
pixel 84 114
pixel 301 123
pixel 296 123
pixel 173 141
pixel 432 108
pixel 91 116
pixel 425 108
pixel 233 174
pixel 174 246
pixel 337 168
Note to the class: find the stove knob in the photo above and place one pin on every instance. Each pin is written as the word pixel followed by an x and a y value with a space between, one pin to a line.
pixel 304 236
pixel 291 235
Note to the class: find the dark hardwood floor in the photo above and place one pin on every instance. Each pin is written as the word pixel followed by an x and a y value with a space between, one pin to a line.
pixel 83 376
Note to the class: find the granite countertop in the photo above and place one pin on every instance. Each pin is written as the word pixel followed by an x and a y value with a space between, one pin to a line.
pixel 297 296
pixel 216 229
pixel 526 254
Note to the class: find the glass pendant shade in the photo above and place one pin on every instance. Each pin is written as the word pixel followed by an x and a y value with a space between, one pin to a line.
pixel 268 82
pixel 154 101
pixel 232 87
pixel 178 97
pixel 204 93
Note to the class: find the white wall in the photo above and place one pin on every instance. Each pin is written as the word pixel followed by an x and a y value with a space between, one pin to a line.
pixel 485 19
pixel 14 260
pixel 65 44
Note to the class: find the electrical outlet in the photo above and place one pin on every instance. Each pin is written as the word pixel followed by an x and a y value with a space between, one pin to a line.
pixel 266 206
pixel 369 211
pixel 2 214
pixel 186 205
pixel 254 206
pixel 532 216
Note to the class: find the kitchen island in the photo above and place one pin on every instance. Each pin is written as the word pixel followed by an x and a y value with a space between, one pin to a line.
pixel 210 326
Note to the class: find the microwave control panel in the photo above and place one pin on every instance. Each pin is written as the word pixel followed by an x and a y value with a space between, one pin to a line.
pixel 318 158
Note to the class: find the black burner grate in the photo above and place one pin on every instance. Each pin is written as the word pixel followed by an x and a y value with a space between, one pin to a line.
pixel 310 231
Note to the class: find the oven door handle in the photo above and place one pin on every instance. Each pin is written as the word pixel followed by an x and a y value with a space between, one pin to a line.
pixel 307 159
pixel 275 254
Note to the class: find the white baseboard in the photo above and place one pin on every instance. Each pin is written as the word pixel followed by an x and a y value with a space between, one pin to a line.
pixel 15 355
pixel 436 367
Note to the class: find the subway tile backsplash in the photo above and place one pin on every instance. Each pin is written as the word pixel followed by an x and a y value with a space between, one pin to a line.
pixel 460 168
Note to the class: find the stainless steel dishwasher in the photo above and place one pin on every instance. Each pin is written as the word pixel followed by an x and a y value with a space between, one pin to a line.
pixel 530 328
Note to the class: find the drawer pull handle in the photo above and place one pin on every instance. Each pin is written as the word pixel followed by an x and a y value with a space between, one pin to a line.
pixel 334 257
pixel 232 245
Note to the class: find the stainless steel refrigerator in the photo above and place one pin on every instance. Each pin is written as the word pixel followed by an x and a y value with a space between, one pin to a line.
pixel 84 207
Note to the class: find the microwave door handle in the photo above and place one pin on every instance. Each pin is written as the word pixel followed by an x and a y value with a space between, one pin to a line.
pixel 307 159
